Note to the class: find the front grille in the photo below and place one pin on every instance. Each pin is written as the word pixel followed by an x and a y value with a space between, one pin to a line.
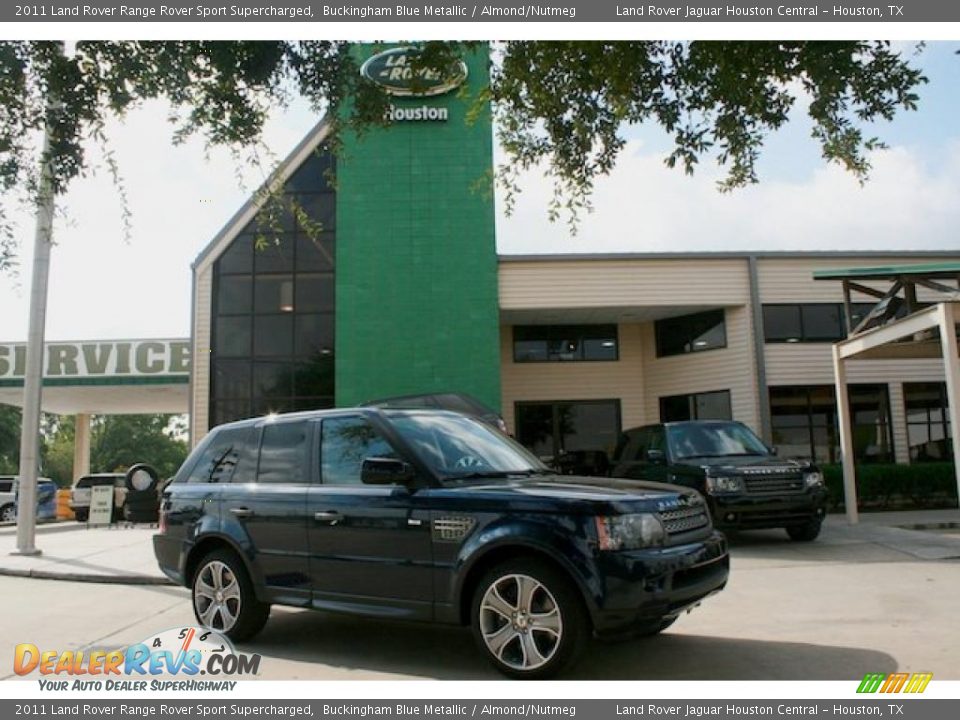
pixel 773 484
pixel 684 519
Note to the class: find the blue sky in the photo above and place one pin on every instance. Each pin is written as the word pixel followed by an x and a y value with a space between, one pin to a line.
pixel 103 287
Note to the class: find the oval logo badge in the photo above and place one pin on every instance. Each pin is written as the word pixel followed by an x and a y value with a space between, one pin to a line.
pixel 393 71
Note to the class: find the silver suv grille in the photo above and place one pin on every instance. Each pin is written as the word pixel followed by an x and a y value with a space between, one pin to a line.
pixel 685 519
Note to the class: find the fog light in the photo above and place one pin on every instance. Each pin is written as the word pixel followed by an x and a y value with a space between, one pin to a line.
pixel 730 517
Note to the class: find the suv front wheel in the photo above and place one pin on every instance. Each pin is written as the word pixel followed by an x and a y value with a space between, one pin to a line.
pixel 224 599
pixel 528 619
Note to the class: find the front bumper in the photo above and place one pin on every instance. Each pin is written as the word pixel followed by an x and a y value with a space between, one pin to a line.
pixel 742 511
pixel 645 585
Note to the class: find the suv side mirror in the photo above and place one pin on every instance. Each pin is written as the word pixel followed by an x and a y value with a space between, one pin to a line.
pixel 385 471
pixel 656 457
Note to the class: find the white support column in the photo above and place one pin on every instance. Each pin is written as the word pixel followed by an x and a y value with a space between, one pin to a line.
pixel 81 446
pixel 846 437
pixel 951 365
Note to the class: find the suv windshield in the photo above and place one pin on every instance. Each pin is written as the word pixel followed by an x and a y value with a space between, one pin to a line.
pixel 457 447
pixel 713 440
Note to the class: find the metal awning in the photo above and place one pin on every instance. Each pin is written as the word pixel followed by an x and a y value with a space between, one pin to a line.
pixel 898 326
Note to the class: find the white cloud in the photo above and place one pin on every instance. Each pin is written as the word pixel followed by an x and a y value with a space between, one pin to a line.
pixel 645 207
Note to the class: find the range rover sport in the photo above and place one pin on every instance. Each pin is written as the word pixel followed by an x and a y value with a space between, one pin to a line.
pixel 432 516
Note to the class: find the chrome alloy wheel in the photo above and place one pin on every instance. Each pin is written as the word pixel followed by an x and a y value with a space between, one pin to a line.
pixel 520 622
pixel 216 596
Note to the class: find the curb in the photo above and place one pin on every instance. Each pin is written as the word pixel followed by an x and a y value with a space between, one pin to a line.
pixel 131 579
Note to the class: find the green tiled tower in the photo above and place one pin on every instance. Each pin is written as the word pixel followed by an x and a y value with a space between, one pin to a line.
pixel 416 281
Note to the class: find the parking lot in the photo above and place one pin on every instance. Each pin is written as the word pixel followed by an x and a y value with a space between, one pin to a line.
pixel 857 600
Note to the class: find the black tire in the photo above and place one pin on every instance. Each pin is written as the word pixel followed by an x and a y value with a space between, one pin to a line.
pixel 564 624
pixel 142 478
pixel 806 532
pixel 249 614
pixel 81 515
pixel 8 513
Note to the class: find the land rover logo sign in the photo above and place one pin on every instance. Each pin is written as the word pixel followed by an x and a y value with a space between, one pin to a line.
pixel 393 71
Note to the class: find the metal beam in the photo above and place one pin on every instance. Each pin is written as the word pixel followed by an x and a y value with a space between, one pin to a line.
pixel 951 364
pixel 847 458
pixel 875 337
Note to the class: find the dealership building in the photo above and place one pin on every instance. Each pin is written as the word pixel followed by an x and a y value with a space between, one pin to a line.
pixel 375 273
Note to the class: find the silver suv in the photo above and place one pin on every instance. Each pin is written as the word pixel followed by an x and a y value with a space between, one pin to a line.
pixel 46 490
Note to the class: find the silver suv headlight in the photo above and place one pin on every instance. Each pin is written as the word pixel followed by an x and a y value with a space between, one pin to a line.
pixel 629 532
pixel 813 479
pixel 724 484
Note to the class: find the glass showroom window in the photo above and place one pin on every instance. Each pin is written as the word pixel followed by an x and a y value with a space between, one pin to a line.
pixel 804 422
pixel 691 333
pixel 928 425
pixel 273 305
pixel 698 406
pixel 564 343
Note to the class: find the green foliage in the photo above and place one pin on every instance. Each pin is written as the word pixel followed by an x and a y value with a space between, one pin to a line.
pixel 560 103
pixel 896 487
pixel 9 439
pixel 116 443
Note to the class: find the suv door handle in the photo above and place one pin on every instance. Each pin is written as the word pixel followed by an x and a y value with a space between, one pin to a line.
pixel 331 517
pixel 241 512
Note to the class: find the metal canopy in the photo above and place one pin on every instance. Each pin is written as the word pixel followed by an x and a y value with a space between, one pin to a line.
pixel 926 329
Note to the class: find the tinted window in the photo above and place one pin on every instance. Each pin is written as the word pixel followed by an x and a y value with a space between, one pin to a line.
pixel 345 444
pixel 697 406
pixel 781 323
pixel 283 453
pixel 691 333
pixel 559 343
pixel 6 486
pixel 694 440
pixel 218 458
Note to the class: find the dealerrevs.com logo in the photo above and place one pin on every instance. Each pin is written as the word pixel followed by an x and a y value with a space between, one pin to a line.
pixel 186 652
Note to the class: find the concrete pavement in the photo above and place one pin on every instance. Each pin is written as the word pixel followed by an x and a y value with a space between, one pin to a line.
pixel 124 554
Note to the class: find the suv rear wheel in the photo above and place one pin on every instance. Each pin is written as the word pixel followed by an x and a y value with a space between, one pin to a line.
pixel 528 619
pixel 223 597
pixel 806 532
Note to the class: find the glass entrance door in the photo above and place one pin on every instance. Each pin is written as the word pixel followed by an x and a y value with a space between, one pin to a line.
pixel 575 437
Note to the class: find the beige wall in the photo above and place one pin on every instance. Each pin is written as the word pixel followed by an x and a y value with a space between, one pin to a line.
pixel 622 379
pixel 638 379
pixel 622 283
pixel 731 368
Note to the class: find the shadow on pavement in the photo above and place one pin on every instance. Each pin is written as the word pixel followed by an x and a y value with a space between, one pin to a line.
pixel 449 653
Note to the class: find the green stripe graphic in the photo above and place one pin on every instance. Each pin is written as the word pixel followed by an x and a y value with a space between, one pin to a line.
pixel 871 682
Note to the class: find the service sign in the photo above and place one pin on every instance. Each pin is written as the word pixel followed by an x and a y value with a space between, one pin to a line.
pixel 109 358
pixel 393 70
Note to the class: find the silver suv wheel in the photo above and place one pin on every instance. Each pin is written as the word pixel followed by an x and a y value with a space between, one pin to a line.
pixel 520 622
pixel 216 596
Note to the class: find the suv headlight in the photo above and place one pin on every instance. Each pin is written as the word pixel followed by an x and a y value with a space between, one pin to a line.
pixel 629 532
pixel 813 479
pixel 724 484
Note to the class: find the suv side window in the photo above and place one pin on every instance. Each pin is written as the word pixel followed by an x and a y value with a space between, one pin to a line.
pixel 658 439
pixel 283 453
pixel 219 458
pixel 345 442
pixel 630 447
pixel 6 486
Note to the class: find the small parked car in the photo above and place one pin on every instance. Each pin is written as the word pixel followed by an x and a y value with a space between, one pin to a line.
pixel 46 498
pixel 746 485
pixel 433 516
pixel 80 495
pixel 455 402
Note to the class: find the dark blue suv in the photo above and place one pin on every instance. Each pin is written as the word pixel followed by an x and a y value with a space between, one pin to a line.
pixel 429 515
